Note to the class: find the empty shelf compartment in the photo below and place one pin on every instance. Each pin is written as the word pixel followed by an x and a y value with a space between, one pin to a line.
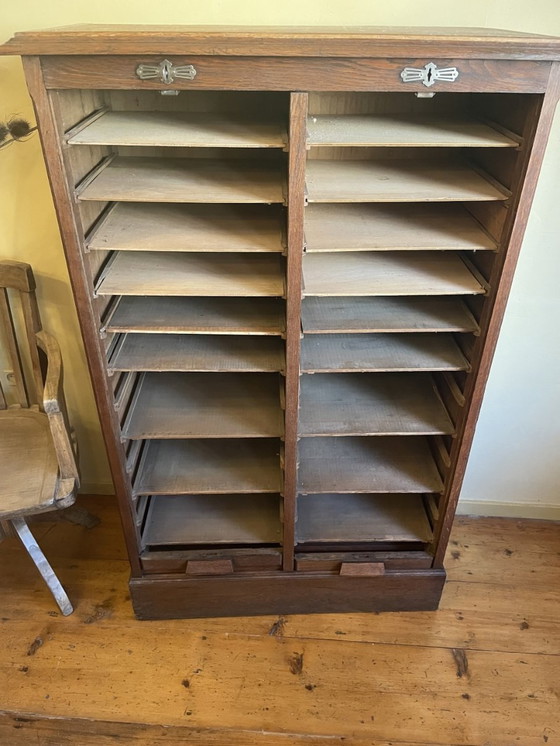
pixel 390 273
pixel 133 226
pixel 202 405
pixel 401 130
pixel 397 180
pixel 196 315
pixel 361 518
pixel 386 314
pixel 181 129
pixel 371 404
pixel 206 180
pixel 197 353
pixel 323 353
pixel 180 467
pixel 167 273
pixel 392 464
pixel 387 227
pixel 185 520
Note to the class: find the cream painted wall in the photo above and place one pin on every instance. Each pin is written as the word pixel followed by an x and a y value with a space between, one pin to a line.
pixel 514 467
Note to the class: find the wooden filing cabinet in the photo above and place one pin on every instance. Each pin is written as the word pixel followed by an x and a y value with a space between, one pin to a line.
pixel 290 251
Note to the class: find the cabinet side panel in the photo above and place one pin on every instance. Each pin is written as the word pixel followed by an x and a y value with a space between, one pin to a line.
pixel 537 129
pixel 70 228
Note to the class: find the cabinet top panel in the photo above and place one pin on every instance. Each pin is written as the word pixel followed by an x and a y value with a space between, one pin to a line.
pixel 304 41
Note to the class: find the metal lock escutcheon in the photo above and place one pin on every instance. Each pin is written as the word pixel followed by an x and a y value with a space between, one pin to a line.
pixel 166 72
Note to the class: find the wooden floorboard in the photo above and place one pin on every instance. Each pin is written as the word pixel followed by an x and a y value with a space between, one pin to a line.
pixel 483 670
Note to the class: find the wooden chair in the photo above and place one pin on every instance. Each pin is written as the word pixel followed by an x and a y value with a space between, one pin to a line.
pixel 37 460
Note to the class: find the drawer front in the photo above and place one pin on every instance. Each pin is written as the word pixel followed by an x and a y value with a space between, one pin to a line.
pixel 337 562
pixel 193 562
pixel 292 74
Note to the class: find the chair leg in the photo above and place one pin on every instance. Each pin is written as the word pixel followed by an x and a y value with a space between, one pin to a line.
pixel 28 541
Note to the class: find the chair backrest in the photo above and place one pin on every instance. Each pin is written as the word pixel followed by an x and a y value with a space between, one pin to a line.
pixel 19 323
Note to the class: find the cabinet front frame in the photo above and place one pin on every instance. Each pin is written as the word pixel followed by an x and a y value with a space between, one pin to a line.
pixel 294 75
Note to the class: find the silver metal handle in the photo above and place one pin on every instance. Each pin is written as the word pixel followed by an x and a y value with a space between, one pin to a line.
pixel 166 72
pixel 429 74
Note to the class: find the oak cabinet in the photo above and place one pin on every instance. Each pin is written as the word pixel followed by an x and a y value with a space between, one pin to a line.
pixel 290 253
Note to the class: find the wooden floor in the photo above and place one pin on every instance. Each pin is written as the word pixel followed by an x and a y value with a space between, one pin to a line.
pixel 484 670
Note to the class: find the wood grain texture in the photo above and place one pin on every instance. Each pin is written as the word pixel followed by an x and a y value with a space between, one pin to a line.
pixel 197 353
pixel 281 594
pixel 216 466
pixel 345 465
pixel 196 405
pixel 398 180
pixel 296 209
pixel 536 132
pixel 170 227
pixel 374 41
pixel 49 119
pixel 396 314
pixel 380 352
pixel 401 131
pixel 213 519
pixel 386 227
pixel 171 273
pixel 29 463
pixel 243 560
pixel 287 73
pixel 501 614
pixel 361 518
pixel 366 404
pixel 114 72
pixel 387 273
pixel 171 315
pixel 181 129
pixel 135 179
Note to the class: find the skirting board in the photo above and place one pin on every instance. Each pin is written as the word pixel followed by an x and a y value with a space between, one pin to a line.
pixel 539 511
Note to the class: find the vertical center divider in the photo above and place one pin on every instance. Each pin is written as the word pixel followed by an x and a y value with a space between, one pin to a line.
pixel 296 204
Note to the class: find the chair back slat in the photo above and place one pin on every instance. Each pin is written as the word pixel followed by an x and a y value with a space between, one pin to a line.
pixel 9 339
pixel 32 326
pixel 2 397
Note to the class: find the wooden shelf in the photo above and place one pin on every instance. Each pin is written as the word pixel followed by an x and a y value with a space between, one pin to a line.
pixel 132 226
pixel 371 404
pixel 180 467
pixel 212 519
pixel 403 131
pixel 335 518
pixel 348 353
pixel 258 316
pixel 387 227
pixel 181 129
pixel 391 273
pixel 199 405
pixel 197 353
pixel 397 314
pixel 396 464
pixel 167 274
pixel 397 180
pixel 133 179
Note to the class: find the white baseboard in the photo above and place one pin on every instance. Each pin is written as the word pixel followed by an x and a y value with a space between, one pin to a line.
pixel 541 511
pixel 96 488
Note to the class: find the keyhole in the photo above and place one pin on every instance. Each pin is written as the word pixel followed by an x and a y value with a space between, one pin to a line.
pixel 430 73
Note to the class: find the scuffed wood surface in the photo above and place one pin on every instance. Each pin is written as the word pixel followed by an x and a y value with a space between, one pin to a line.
pixel 212 681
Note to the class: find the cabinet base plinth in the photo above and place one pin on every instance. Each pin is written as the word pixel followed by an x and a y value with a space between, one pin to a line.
pixel 166 597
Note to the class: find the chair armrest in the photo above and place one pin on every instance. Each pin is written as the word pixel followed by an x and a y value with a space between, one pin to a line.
pixel 53 404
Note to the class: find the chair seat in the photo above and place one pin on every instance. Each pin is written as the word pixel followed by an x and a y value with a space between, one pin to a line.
pixel 28 463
